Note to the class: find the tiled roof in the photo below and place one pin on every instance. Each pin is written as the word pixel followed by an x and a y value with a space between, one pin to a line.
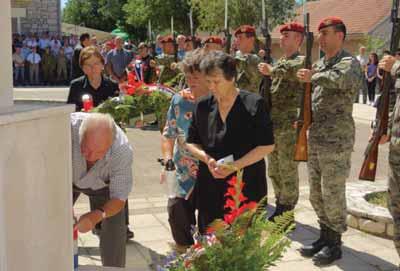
pixel 360 16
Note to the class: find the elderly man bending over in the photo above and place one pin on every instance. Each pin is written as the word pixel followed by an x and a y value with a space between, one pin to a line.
pixel 102 170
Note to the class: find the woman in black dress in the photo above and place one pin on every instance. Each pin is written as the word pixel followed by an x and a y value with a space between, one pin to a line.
pixel 228 122
pixel 93 83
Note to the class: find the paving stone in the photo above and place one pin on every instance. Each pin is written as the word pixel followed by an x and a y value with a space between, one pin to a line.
pixel 143 221
pixel 372 227
pixel 159 233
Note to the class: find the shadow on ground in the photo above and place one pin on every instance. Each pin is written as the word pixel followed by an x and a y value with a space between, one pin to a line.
pixel 306 234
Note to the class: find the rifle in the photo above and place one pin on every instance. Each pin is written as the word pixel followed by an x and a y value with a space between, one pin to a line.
pixel 265 86
pixel 305 118
pixel 368 169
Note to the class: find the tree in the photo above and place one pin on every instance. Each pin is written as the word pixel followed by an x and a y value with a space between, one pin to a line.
pixel 139 12
pixel 98 14
pixel 211 13
pixel 373 44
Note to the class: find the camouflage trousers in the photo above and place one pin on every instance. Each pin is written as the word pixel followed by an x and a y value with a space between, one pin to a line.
pixel 282 170
pixel 328 170
pixel 394 191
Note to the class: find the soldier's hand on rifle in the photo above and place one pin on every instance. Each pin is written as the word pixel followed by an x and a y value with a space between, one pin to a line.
pixel 387 63
pixel 384 139
pixel 304 75
pixel 261 53
pixel 153 63
pixel 265 68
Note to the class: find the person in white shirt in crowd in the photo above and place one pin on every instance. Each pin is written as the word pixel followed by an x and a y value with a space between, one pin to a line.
pixel 19 67
pixel 363 59
pixel 55 46
pixel 180 40
pixel 44 42
pixel 68 52
pixel 34 60
pixel 31 41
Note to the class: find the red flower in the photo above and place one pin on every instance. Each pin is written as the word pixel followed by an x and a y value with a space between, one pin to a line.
pixel 232 181
pixel 229 218
pixel 198 245
pixel 231 192
pixel 210 230
pixel 242 198
pixel 230 204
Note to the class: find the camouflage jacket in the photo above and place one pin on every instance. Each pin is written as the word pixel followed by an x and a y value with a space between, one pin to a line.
pixel 166 73
pixel 249 78
pixel 286 91
pixel 335 84
pixel 394 107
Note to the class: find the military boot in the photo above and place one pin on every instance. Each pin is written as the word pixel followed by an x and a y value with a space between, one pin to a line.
pixel 315 247
pixel 332 251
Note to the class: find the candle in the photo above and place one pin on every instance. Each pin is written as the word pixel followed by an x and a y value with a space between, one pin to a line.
pixel 87 101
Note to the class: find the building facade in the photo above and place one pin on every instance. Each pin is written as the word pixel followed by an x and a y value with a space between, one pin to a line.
pixel 36 16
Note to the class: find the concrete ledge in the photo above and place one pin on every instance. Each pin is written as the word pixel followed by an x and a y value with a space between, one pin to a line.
pixel 365 216
pixel 30 110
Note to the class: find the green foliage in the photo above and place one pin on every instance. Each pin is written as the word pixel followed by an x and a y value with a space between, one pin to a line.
pixel 128 107
pixel 250 243
pixel 211 13
pixel 378 198
pixel 139 12
pixel 373 44
pixel 98 14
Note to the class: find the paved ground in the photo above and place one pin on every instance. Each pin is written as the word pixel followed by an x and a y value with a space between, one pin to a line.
pixel 150 222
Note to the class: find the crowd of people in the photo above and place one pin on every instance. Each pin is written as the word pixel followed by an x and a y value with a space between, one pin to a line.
pixel 373 75
pixel 218 115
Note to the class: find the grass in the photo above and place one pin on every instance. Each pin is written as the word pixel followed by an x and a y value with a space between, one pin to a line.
pixel 378 198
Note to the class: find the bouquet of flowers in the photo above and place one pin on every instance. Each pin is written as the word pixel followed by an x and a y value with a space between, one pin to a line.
pixel 137 100
pixel 243 240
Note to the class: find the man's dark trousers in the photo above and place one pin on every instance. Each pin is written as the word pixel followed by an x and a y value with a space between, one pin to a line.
pixel 113 229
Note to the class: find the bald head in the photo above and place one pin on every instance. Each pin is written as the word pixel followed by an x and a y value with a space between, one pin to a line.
pixel 96 135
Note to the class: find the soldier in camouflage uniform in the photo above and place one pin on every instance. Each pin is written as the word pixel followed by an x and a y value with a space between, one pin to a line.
pixel 285 97
pixel 249 78
pixel 213 43
pixel 166 61
pixel 390 64
pixel 336 80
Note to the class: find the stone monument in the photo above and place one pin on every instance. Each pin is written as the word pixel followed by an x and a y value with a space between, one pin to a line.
pixel 35 176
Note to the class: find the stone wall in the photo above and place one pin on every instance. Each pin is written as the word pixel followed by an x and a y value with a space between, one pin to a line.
pixel 41 15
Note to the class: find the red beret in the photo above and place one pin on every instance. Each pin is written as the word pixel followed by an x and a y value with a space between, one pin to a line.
pixel 330 21
pixel 168 38
pixel 110 44
pixel 294 27
pixel 213 39
pixel 245 29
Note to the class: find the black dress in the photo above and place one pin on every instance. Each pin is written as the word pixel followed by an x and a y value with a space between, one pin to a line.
pixel 81 86
pixel 247 126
